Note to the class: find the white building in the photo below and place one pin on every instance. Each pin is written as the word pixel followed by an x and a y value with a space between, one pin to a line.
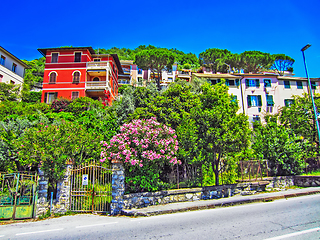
pixel 262 93
pixel 12 69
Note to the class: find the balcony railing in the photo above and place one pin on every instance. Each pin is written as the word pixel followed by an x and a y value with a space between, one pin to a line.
pixel 97 65
pixel 123 81
pixel 96 85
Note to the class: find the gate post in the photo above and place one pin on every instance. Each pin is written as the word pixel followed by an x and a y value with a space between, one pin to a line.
pixel 42 204
pixel 117 187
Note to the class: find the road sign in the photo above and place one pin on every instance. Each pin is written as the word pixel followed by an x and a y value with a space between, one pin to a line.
pixel 85 179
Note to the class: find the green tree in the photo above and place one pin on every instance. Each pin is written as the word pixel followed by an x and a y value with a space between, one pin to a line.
pixel 221 131
pixel 214 59
pixel 255 61
pixel 51 146
pixel 156 60
pixel 299 117
pixel 284 151
pixel 282 63
pixel 9 92
pixel 11 130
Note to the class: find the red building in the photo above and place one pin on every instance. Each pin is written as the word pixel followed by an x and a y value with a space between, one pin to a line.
pixel 79 72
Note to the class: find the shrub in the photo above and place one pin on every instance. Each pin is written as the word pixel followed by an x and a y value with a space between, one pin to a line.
pixel 144 147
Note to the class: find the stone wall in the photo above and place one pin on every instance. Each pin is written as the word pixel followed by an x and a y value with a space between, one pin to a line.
pixel 140 200
pixel 307 181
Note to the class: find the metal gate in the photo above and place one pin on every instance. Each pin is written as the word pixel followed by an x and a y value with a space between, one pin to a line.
pixel 18 195
pixel 91 189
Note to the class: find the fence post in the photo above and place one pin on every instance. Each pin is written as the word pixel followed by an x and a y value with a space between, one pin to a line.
pixel 118 187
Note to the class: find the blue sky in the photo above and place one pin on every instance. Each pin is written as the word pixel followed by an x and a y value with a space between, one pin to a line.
pixel 282 26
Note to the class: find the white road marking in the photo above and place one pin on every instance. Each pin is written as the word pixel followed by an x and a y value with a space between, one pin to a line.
pixel 100 224
pixel 294 234
pixel 51 230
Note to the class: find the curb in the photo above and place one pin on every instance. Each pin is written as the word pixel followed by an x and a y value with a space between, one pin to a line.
pixel 203 206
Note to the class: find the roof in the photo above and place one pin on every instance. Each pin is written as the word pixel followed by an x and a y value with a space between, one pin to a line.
pixel 14 57
pixel 297 78
pixel 43 51
pixel 209 75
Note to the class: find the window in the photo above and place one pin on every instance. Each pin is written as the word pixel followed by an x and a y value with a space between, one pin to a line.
pixel 254 101
pixel 2 60
pixel 299 85
pixel 313 85
pixel 270 102
pixel 12 82
pixel 52 77
pixel 286 84
pixel 50 97
pixel 288 102
pixel 139 71
pixel 252 83
pixel 77 57
pixel 230 82
pixel 214 81
pixel 54 57
pixel 74 95
pixel 170 79
pixel 1 76
pixel 267 83
pixel 14 67
pixel 76 77
pixel 96 59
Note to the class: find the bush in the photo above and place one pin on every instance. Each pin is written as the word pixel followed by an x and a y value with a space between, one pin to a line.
pixel 144 146
pixel 60 104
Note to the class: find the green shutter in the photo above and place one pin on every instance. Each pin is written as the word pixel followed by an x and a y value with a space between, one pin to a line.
pixel 269 100
pixel 55 95
pixel 227 82
pixel 45 97
pixel 237 82
pixel 259 101
pixel 247 82
pixel 249 100
pixel 257 83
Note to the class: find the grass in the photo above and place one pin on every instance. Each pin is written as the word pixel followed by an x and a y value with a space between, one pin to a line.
pixel 314 173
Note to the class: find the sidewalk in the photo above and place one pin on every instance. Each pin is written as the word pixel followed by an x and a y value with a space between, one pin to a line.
pixel 222 202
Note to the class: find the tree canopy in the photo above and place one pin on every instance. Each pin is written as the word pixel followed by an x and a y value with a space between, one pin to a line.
pixel 156 60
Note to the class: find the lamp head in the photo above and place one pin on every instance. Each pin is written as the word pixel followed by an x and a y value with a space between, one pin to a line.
pixel 305 47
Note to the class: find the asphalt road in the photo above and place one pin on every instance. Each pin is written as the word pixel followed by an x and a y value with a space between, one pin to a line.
pixel 295 218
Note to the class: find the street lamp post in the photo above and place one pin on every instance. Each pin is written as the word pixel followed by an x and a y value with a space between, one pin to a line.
pixel 310 90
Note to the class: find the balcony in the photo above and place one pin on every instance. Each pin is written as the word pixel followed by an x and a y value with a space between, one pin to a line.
pixel 97 85
pixel 124 81
pixel 97 65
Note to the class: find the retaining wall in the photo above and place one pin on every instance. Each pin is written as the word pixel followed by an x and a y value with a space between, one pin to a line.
pixel 139 200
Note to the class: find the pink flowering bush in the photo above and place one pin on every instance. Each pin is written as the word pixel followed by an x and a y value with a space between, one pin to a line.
pixel 144 146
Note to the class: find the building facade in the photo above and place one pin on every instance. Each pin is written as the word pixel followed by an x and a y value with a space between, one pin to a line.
pixel 12 69
pixel 259 94
pixel 75 72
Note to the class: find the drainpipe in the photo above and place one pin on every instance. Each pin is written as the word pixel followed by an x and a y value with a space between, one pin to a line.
pixel 243 109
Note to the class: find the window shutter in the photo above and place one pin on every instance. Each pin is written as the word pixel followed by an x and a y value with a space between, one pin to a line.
pixel 237 82
pixel 257 83
pixel 227 82
pixel 247 82
pixel 45 97
pixel 55 95
pixel 249 100
pixel 259 101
